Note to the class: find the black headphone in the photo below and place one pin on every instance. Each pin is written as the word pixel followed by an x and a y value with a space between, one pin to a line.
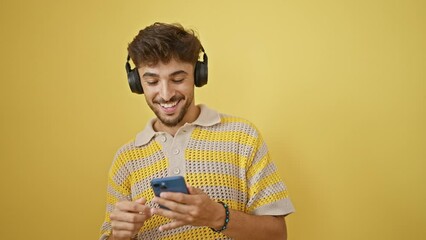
pixel 200 74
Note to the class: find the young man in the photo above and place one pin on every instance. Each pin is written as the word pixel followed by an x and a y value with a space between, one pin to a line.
pixel 235 191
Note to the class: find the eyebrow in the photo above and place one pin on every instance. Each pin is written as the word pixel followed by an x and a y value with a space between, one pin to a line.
pixel 177 73
pixel 149 74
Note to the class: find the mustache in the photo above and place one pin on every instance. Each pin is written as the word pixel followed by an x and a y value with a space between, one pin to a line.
pixel 173 99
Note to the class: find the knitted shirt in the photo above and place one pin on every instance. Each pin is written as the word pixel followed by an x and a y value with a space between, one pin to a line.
pixel 222 155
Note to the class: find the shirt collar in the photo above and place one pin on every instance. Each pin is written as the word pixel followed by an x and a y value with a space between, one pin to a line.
pixel 208 117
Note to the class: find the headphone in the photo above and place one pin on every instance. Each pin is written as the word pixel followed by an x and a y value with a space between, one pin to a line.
pixel 200 74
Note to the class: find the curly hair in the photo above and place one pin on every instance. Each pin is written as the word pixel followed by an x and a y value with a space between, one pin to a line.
pixel 161 42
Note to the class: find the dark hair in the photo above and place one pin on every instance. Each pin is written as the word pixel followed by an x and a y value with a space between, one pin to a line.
pixel 161 42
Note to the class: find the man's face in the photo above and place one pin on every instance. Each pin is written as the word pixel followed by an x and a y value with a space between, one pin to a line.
pixel 169 90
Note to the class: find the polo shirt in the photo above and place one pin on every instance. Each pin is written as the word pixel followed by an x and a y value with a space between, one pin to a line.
pixel 223 155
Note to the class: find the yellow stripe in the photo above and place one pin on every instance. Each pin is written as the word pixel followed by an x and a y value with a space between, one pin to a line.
pixel 216 156
pixel 229 119
pixel 205 135
pixel 213 180
pixel 148 194
pixel 134 154
pixel 258 166
pixel 146 172
pixel 265 182
pixel 203 231
pixel 233 204
pixel 112 200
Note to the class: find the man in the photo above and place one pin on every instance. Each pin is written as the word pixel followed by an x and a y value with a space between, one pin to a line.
pixel 235 191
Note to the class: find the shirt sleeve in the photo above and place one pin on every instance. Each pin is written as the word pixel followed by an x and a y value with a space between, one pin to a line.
pixel 118 189
pixel 267 193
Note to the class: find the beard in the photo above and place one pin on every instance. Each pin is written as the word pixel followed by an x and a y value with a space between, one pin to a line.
pixel 170 121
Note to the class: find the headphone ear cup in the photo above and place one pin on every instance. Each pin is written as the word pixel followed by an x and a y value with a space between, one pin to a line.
pixel 200 74
pixel 135 81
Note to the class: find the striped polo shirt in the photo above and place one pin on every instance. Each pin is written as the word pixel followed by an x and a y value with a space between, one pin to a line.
pixel 225 156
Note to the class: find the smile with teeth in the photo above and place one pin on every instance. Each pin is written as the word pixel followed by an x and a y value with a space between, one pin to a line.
pixel 169 104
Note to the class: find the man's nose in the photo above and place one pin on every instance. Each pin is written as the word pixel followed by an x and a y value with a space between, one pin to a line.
pixel 166 91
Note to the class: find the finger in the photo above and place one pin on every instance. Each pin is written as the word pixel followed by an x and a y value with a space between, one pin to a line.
pixel 187 199
pixel 129 217
pixel 172 205
pixel 125 226
pixel 146 212
pixel 176 197
pixel 177 216
pixel 141 201
pixel 128 206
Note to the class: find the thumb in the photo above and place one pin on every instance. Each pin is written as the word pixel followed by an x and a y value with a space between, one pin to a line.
pixel 193 190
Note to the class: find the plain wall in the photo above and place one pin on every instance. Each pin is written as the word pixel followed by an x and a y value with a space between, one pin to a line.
pixel 337 89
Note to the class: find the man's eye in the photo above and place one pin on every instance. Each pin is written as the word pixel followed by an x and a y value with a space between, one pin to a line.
pixel 151 83
pixel 178 80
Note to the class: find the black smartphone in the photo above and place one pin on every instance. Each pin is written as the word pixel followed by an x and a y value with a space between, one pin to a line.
pixel 169 184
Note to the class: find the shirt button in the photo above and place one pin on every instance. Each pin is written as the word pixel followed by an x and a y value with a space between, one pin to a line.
pixel 176 151
pixel 176 171
pixel 163 138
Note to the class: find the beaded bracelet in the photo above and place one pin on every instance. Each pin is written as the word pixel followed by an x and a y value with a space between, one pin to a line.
pixel 225 225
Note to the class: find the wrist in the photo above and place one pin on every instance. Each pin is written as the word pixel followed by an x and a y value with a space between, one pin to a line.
pixel 221 223
pixel 219 217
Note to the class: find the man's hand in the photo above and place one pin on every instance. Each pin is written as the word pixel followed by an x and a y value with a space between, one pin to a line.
pixel 128 217
pixel 195 209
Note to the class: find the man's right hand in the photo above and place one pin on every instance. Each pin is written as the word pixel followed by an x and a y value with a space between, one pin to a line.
pixel 127 218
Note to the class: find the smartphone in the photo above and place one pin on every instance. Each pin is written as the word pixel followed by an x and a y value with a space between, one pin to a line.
pixel 169 184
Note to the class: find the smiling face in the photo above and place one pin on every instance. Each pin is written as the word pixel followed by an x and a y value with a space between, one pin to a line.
pixel 169 92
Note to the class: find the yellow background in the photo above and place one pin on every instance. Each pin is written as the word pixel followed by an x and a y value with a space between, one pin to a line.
pixel 337 89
